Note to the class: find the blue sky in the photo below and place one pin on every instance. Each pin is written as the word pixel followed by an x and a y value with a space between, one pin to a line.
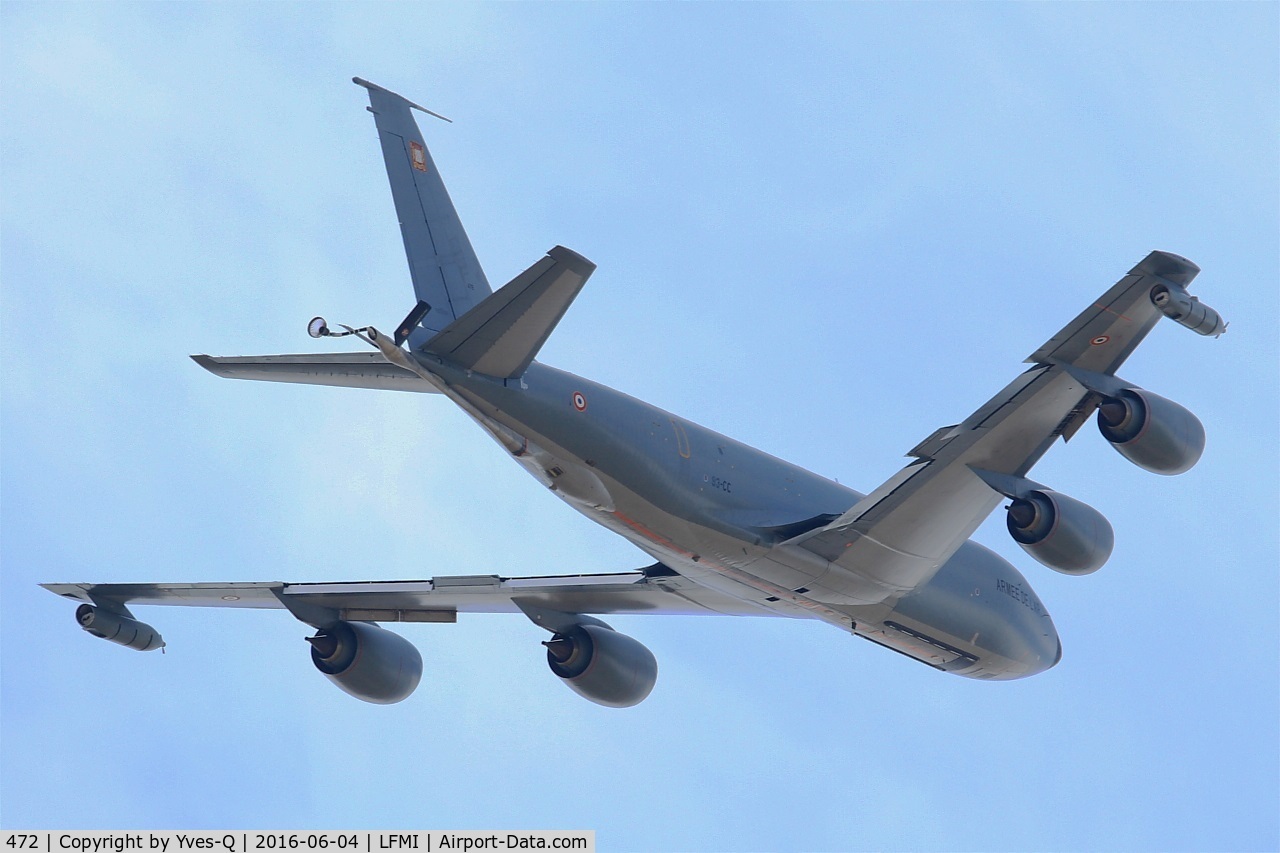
pixel 823 229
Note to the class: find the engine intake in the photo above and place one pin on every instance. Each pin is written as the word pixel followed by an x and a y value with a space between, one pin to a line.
pixel 1151 432
pixel 602 665
pixel 368 662
pixel 118 628
pixel 1061 532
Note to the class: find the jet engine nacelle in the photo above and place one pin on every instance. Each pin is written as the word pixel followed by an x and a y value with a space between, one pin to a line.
pixel 1061 532
pixel 599 664
pixel 370 663
pixel 1183 308
pixel 1151 432
pixel 118 628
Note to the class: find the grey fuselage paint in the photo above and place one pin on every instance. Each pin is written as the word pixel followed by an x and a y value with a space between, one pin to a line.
pixel 710 508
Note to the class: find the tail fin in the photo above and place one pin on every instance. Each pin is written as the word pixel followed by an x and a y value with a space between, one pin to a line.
pixel 445 272
pixel 503 334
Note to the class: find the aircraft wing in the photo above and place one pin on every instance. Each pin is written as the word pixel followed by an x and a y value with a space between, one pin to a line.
pixel 654 590
pixel 903 531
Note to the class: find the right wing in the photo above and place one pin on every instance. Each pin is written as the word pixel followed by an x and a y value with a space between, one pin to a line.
pixel 347 370
pixel 894 539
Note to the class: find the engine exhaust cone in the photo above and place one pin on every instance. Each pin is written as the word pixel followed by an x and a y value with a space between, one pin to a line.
pixel 1023 513
pixel 1113 412
pixel 324 644
pixel 560 648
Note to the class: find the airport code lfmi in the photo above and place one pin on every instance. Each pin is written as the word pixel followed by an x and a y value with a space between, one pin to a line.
pixel 238 841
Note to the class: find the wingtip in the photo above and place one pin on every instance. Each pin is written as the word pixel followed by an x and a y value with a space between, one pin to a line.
pixel 1167 265
pixel 208 362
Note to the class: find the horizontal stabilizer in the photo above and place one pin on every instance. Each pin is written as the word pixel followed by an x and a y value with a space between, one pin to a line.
pixel 346 370
pixel 501 335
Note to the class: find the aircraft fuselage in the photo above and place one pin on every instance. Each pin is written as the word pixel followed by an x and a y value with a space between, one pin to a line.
pixel 720 512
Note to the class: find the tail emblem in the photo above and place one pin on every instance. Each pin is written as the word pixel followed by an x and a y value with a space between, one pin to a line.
pixel 418 156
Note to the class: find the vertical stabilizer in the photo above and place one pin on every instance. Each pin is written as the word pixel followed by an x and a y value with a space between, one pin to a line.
pixel 445 272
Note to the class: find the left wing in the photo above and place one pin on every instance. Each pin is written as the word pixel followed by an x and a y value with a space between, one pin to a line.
pixel 380 666
pixel 896 538
pixel 654 590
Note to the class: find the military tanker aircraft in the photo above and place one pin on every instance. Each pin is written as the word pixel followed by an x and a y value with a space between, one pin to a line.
pixel 731 530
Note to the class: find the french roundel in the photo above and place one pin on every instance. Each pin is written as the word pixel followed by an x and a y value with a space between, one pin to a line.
pixel 579 401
